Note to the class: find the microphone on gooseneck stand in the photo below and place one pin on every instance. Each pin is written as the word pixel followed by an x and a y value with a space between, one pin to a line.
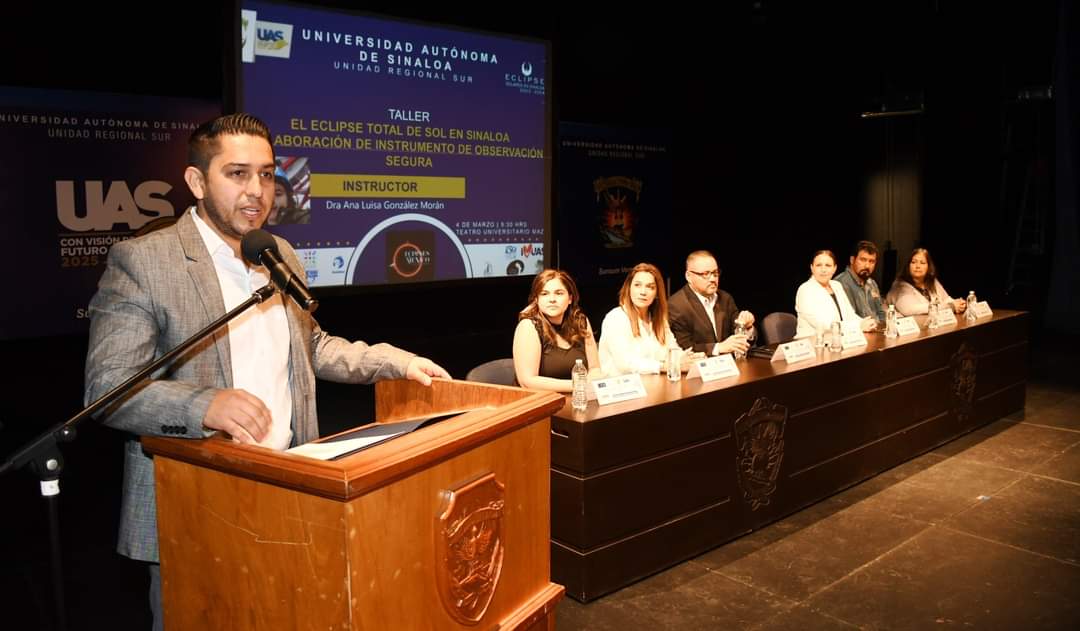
pixel 259 248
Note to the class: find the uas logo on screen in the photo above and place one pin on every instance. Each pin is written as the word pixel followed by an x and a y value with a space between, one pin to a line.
pixel 267 39
pixel 273 39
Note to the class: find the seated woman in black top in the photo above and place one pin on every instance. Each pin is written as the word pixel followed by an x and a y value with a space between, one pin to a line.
pixel 552 333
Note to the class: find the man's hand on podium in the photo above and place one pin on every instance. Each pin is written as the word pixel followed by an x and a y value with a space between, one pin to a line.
pixel 239 414
pixel 422 369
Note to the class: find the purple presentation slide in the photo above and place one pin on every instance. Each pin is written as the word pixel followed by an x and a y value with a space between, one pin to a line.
pixel 406 152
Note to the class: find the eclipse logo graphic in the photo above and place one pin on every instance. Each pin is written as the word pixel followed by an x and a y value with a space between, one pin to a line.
pixel 528 80
pixel 410 256
pixel 409 260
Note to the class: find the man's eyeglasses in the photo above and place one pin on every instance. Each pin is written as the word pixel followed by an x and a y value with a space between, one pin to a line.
pixel 706 275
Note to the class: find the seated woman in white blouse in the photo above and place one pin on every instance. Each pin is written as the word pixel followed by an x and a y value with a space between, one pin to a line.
pixel 821 300
pixel 635 336
pixel 916 284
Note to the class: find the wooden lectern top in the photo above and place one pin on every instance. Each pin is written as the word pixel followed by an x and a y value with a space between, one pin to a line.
pixel 502 410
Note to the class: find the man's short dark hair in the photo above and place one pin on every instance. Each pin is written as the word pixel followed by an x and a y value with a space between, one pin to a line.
pixel 203 144
pixel 864 246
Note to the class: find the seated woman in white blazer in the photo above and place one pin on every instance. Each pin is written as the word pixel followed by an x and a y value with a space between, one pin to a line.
pixel 635 336
pixel 916 284
pixel 821 300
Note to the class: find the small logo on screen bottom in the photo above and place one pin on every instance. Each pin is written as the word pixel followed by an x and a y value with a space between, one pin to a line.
pixel 410 256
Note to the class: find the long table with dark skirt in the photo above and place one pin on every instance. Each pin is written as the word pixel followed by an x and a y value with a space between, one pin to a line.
pixel 639 486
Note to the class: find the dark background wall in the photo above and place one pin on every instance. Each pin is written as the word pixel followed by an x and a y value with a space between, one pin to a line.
pixel 771 161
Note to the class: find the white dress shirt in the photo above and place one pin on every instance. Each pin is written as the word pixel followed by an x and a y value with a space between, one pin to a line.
pixel 709 303
pixel 258 337
pixel 623 352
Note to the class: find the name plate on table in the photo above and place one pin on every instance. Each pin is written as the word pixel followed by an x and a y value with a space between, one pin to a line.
pixel 852 340
pixel 713 368
pixel 851 334
pixel 618 388
pixel 946 317
pixel 797 351
pixel 907 326
pixel 982 310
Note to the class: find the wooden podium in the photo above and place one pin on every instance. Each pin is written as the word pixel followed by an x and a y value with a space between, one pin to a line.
pixel 444 528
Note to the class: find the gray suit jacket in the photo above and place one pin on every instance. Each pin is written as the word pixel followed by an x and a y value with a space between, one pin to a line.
pixel 157 291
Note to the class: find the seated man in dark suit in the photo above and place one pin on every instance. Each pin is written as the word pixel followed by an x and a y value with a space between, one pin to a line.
pixel 704 316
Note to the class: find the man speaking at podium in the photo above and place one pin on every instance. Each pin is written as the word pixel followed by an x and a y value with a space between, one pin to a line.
pixel 254 379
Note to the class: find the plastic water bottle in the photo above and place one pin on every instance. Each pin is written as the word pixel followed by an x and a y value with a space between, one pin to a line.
pixel 932 321
pixel 836 340
pixel 890 323
pixel 580 378
pixel 674 370
pixel 969 314
pixel 739 330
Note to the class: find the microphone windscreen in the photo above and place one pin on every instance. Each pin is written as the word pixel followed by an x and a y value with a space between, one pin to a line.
pixel 254 243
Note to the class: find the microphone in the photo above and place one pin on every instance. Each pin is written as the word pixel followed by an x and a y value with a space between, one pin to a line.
pixel 259 248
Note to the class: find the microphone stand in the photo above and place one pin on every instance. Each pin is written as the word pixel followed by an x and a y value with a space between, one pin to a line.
pixel 43 456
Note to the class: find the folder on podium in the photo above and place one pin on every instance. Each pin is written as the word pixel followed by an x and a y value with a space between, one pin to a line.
pixel 446 527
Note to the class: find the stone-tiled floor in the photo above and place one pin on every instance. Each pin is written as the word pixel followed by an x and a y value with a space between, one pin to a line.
pixel 983 532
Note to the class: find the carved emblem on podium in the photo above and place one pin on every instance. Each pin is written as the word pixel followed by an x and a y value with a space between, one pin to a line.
pixel 965 364
pixel 469 546
pixel 759 438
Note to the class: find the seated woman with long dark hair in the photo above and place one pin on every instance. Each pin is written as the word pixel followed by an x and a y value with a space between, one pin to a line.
pixel 552 333
pixel 635 336
pixel 917 284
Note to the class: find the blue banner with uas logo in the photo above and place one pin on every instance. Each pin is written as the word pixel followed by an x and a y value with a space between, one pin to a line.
pixel 84 171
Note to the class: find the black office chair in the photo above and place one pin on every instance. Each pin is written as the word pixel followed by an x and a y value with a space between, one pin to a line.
pixel 496 371
pixel 779 327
